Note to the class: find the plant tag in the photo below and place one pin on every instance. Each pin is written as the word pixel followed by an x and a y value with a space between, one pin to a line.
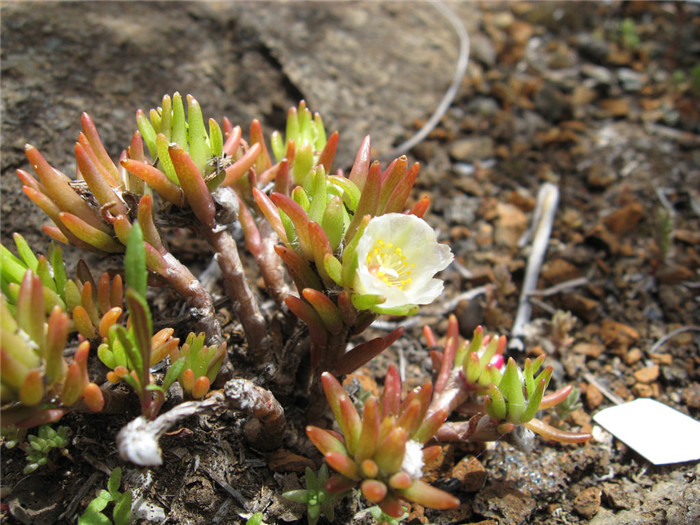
pixel 656 431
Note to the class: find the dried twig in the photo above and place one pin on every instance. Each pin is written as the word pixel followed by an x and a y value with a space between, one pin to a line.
pixel 460 70
pixel 671 335
pixel 559 287
pixel 602 388
pixel 543 219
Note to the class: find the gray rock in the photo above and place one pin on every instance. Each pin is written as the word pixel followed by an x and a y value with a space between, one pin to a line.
pixel 630 80
pixel 483 50
pixel 472 149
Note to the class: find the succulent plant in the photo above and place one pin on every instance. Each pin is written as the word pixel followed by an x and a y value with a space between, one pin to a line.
pixel 201 364
pixel 315 496
pixel 40 445
pixel 121 512
pixel 93 306
pixel 383 451
pixel 37 384
pixel 333 252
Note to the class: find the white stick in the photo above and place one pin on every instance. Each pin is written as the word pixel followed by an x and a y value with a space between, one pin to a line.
pixel 543 219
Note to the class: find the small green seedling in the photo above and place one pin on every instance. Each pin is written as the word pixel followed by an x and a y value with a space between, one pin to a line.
pixel 41 445
pixel 121 512
pixel 317 499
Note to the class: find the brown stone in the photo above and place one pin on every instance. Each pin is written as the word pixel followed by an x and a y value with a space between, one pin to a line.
pixel 583 307
pixel 560 270
pixel 647 375
pixel 617 335
pixel 593 397
pixel 691 395
pixel 625 219
pixel 510 225
pixel 691 237
pixel 472 149
pixel 661 359
pixel 601 236
pixel 600 176
pixel 589 349
pixel 623 393
pixel 642 390
pixel 674 274
pixel 583 95
pixel 437 468
pixel 364 378
pixel 471 473
pixel 587 502
pixel 634 355
pixel 520 31
pixel 615 107
pixel 484 234
pixel 581 418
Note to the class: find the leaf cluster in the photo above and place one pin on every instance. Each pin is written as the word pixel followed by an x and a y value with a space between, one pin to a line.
pixel 121 511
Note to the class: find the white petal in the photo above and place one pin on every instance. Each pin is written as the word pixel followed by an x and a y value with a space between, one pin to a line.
pixel 426 295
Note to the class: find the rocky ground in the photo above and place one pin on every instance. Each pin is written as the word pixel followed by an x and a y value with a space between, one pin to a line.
pixel 600 99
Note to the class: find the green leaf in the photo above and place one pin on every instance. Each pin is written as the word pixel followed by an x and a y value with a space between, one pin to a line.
pixel 216 138
pixel 101 501
pixel 12 268
pixel 318 194
pixel 166 163
pixel 405 310
pixel 44 273
pixel 297 496
pixel 303 163
pixel 106 356
pixel 350 193
pixel 72 295
pixel 512 389
pixel 142 329
pixel 132 353
pixel 91 517
pixel 173 373
pixel 179 126
pixel 122 509
pixel 255 519
pixel 115 480
pixel 25 252
pixel 365 302
pixel 135 261
pixel 278 146
pixel 199 147
pixel 147 132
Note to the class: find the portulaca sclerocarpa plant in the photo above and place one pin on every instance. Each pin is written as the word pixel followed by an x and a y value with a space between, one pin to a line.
pixel 333 251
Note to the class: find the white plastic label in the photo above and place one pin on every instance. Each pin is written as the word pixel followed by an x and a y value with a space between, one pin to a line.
pixel 656 431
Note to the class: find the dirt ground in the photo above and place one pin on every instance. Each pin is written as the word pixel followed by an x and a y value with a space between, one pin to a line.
pixel 600 99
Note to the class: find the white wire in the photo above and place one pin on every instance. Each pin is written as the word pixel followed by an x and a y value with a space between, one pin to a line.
pixel 451 92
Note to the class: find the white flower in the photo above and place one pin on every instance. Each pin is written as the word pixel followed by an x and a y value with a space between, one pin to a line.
pixel 398 255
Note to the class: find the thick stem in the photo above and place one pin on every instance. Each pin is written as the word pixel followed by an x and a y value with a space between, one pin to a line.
pixel 271 264
pixel 199 300
pixel 335 349
pixel 266 429
pixel 480 427
pixel 244 304
pixel 453 394
pixel 138 440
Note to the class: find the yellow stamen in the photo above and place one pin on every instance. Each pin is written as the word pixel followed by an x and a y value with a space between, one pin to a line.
pixel 389 264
